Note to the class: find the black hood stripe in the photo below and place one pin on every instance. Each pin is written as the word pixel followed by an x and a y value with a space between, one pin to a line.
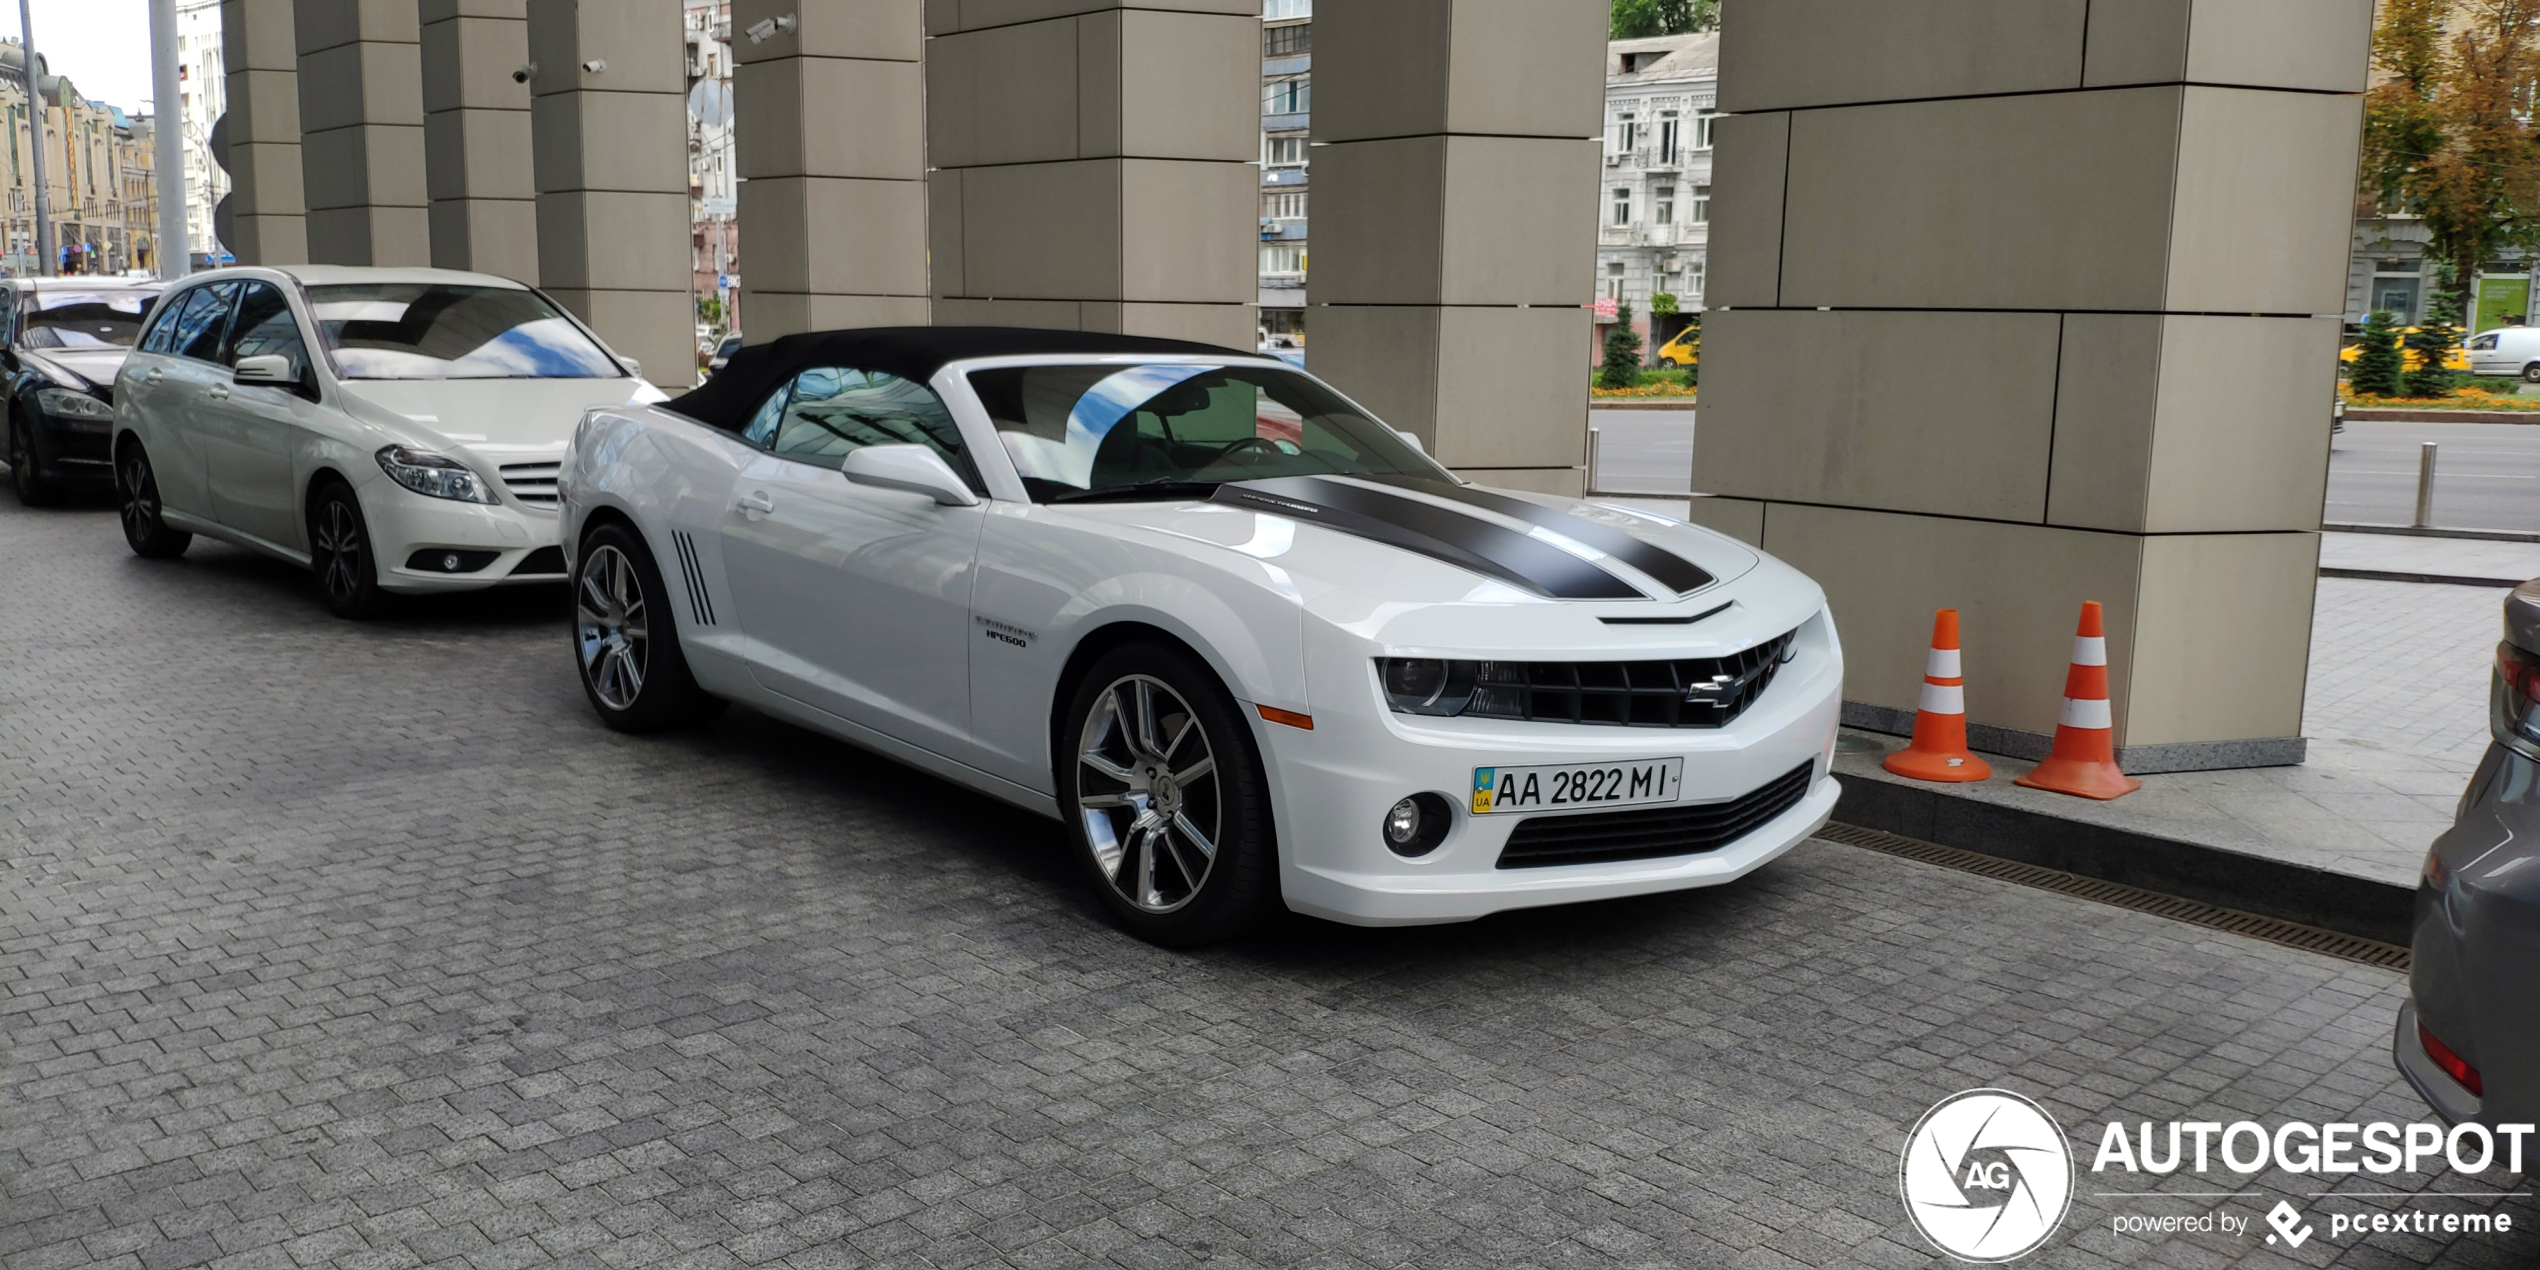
pixel 1468 542
pixel 1667 567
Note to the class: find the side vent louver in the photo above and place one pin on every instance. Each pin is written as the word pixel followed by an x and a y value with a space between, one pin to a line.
pixel 700 603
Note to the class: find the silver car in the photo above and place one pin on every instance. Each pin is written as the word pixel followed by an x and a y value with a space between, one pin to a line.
pixel 2469 1034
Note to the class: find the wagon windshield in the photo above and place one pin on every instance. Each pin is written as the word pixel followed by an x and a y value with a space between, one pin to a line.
pixel 1079 431
pixel 419 330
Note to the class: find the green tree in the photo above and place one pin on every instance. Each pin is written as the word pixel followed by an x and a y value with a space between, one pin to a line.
pixel 2435 336
pixel 2377 361
pixel 1622 353
pixel 1640 19
pixel 2450 133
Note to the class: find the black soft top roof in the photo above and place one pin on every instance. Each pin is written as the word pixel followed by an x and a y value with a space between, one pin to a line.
pixel 910 352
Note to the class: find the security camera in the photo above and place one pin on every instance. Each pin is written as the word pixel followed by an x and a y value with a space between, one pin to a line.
pixel 522 75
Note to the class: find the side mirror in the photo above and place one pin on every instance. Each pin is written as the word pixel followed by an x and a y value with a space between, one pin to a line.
pixel 1413 438
pixel 914 468
pixel 634 369
pixel 266 368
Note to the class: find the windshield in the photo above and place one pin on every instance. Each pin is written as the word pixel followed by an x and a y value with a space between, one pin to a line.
pixel 419 330
pixel 82 319
pixel 1079 429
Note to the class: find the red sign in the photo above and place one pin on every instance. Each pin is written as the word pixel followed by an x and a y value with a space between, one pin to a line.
pixel 1605 308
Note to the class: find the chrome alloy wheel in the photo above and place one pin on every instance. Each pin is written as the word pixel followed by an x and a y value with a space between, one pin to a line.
pixel 609 627
pixel 1147 794
pixel 339 549
pixel 140 501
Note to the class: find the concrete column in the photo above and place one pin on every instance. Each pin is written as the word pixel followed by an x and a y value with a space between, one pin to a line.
pixel 1094 164
pixel 1454 213
pixel 831 103
pixel 361 132
pixel 476 148
pixel 263 217
pixel 2054 320
pixel 610 120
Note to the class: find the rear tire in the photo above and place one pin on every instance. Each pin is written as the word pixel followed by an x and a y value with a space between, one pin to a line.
pixel 626 640
pixel 2531 373
pixel 137 502
pixel 1160 783
pixel 341 555
pixel 33 490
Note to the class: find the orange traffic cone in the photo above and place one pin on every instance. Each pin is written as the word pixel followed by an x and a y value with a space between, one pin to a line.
pixel 2084 760
pixel 1939 751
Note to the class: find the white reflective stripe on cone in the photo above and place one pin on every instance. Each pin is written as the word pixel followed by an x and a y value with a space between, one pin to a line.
pixel 2085 714
pixel 1943 664
pixel 2090 650
pixel 1946 699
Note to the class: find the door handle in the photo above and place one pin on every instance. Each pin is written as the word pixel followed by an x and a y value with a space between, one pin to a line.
pixel 217 392
pixel 754 504
pixel 156 374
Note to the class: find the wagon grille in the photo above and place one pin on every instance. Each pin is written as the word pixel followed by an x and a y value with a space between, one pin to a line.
pixel 1700 692
pixel 532 483
pixel 1598 837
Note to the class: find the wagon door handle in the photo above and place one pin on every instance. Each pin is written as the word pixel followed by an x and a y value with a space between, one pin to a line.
pixel 217 392
pixel 156 374
pixel 754 504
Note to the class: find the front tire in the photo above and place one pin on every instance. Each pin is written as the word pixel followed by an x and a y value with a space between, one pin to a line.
pixel 33 490
pixel 2531 373
pixel 1161 787
pixel 626 641
pixel 341 555
pixel 137 502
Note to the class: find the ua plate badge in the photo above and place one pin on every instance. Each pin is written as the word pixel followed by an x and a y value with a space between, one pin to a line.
pixel 1563 786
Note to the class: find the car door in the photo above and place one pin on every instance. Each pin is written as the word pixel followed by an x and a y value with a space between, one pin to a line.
pixel 169 383
pixel 252 433
pixel 2483 356
pixel 855 599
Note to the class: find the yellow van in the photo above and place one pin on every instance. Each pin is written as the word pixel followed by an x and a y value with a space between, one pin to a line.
pixel 2457 359
pixel 1684 350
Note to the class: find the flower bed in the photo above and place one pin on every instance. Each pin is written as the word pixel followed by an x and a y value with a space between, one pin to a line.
pixel 2460 399
pixel 1671 391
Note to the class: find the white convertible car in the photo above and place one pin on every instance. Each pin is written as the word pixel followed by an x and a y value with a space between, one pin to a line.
pixel 396 430
pixel 1248 644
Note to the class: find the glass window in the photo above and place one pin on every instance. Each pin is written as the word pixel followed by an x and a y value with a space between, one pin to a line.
pixel 1622 207
pixel 828 411
pixel 1664 205
pixel 1284 41
pixel 1077 429
pixel 1666 136
pixel 2483 343
pixel 264 327
pixel 1283 152
pixel 195 331
pixel 1702 129
pixel 105 318
pixel 1702 205
pixel 417 330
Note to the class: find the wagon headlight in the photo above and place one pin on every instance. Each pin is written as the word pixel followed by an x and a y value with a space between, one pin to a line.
pixel 71 403
pixel 1427 685
pixel 433 475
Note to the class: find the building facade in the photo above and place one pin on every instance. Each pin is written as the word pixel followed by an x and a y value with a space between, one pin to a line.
pixel 202 79
pixel 97 167
pixel 1287 116
pixel 714 243
pixel 1654 205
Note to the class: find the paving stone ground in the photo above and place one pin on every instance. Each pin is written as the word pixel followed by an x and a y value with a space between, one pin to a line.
pixel 364 946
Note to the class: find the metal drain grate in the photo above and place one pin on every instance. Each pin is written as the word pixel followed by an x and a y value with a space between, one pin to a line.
pixel 2274 930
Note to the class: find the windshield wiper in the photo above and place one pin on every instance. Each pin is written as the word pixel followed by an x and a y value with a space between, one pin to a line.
pixel 1162 486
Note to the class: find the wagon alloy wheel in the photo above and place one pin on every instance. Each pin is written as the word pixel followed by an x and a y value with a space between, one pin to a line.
pixel 339 551
pixel 610 628
pixel 1148 794
pixel 137 505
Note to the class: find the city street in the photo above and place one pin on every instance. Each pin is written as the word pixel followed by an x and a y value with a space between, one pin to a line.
pixel 364 945
pixel 2486 476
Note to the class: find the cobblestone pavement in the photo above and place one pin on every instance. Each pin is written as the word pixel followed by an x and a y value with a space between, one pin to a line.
pixel 363 945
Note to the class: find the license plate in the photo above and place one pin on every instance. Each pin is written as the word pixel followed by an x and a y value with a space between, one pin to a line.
pixel 1560 786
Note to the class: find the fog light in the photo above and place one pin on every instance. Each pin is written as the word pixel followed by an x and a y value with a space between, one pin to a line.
pixel 1402 824
pixel 450 561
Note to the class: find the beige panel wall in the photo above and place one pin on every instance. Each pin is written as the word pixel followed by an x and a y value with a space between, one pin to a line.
pixel 608 126
pixel 830 131
pixel 1455 224
pixel 478 167
pixel 266 207
pixel 361 119
pixel 2067 257
pixel 1094 165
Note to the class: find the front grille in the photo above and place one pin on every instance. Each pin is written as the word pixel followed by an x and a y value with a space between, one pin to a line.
pixel 544 560
pixel 533 483
pixel 1700 692
pixel 1599 837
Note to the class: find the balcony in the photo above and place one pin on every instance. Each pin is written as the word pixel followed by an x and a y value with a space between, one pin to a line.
pixel 1291 121
pixel 1283 230
pixel 1285 178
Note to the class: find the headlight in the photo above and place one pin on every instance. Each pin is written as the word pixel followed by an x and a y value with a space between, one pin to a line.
pixel 1425 685
pixel 71 403
pixel 434 475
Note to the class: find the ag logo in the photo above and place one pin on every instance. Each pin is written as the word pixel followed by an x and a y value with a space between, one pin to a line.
pixel 1986 1175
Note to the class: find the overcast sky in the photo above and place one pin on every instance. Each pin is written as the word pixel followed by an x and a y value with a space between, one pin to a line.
pixel 103 46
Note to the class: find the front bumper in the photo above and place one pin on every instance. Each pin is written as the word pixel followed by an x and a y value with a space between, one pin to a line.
pixel 403 522
pixel 77 452
pixel 1335 783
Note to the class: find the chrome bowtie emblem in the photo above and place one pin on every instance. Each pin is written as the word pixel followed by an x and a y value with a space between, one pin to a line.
pixel 1714 689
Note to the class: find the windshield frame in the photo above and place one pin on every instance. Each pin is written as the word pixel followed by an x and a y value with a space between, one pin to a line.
pixel 1005 478
pixel 316 334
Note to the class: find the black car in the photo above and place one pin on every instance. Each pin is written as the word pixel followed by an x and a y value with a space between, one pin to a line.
pixel 61 340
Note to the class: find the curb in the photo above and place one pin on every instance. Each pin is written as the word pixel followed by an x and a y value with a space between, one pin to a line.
pixel 2480 535
pixel 2368 414
pixel 2191 871
pixel 2446 579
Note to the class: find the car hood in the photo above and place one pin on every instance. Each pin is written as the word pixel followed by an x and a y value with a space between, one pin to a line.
pixel 88 369
pixel 493 416
pixel 1406 597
